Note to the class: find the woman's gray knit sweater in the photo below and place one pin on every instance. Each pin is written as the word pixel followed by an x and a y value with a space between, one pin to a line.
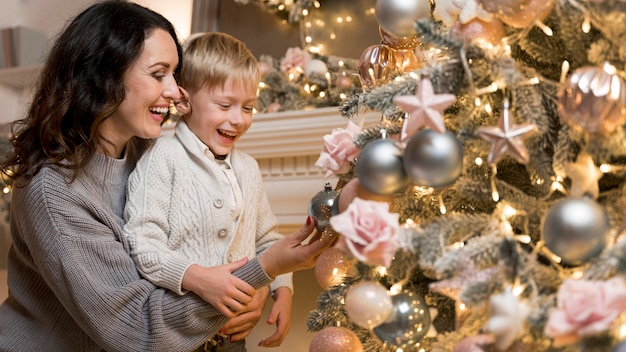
pixel 72 283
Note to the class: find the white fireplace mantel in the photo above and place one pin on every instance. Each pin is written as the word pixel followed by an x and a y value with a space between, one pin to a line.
pixel 287 145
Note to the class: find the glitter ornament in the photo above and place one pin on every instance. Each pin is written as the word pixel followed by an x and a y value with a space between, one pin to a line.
pixel 575 229
pixel 593 100
pixel 331 267
pixel 408 323
pixel 376 65
pixel 335 339
pixel 433 159
pixel 380 169
pixel 368 304
pixel 321 205
pixel 397 17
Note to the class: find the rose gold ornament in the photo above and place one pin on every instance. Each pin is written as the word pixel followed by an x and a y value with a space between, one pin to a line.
pixel 273 107
pixel 354 189
pixel 398 43
pixel 407 61
pixel 532 13
pixel 331 267
pixel 503 7
pixel 593 100
pixel 376 65
pixel 480 31
pixel 343 82
pixel 335 339
pixel 264 69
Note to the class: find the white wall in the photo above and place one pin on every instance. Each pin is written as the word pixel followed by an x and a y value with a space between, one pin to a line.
pixel 49 17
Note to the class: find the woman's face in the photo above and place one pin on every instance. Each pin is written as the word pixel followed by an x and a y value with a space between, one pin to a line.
pixel 150 86
pixel 220 116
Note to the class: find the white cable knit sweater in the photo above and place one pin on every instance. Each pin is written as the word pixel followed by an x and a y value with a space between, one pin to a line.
pixel 176 211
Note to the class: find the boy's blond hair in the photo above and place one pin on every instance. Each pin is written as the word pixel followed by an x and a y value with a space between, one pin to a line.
pixel 211 59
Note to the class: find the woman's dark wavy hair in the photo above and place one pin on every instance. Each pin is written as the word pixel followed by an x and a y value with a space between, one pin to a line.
pixel 80 86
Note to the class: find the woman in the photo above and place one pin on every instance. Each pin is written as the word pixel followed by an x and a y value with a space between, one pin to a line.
pixel 103 93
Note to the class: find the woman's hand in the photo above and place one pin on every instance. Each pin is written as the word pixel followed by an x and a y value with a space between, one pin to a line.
pixel 289 254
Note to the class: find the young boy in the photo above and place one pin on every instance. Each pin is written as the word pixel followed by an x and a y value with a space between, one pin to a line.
pixel 194 199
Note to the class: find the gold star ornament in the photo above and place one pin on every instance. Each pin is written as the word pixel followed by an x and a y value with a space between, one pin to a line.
pixel 584 175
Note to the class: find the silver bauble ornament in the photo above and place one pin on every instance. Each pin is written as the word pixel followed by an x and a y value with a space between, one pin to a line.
pixel 575 229
pixel 620 347
pixel 321 207
pixel 379 168
pixel 397 17
pixel 433 159
pixel 593 100
pixel 408 323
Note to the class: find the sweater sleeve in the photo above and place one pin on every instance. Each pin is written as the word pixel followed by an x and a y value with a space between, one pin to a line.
pixel 80 252
pixel 146 213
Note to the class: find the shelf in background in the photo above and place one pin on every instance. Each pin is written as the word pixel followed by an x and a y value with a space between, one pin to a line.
pixel 19 77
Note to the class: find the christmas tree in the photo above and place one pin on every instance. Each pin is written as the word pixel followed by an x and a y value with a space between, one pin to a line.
pixel 485 212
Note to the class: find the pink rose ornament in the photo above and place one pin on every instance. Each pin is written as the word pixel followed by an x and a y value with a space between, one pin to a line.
pixel 294 61
pixel 339 150
pixel 369 231
pixel 585 308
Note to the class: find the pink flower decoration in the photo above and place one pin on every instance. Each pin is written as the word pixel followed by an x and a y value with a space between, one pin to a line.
pixel 294 61
pixel 339 150
pixel 369 231
pixel 585 308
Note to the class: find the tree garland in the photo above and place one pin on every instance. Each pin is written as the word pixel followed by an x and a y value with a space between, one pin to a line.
pixel 289 10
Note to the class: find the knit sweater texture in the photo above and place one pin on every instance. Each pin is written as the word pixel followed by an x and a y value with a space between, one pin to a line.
pixel 73 285
pixel 178 213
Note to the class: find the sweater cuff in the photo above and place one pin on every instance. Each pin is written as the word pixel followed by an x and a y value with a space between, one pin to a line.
pixel 254 274
pixel 172 274
pixel 285 280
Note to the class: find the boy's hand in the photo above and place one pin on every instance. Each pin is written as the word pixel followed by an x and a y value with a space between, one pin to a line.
pixel 280 314
pixel 219 287
pixel 239 327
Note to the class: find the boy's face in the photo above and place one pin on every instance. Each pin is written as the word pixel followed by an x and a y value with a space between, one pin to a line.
pixel 220 116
